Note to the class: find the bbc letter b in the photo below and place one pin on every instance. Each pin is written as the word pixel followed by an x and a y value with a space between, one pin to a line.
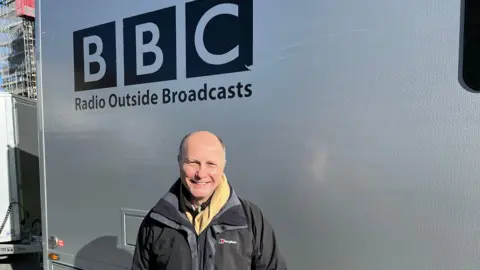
pixel 94 57
pixel 150 47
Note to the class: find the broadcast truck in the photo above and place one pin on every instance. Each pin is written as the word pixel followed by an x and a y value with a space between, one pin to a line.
pixel 353 125
pixel 20 211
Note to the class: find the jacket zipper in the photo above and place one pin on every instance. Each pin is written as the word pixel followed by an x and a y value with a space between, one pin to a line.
pixel 198 254
pixel 197 243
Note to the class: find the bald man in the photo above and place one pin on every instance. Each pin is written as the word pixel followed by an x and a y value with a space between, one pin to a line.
pixel 201 223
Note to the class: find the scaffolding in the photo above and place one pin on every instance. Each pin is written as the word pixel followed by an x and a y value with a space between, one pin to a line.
pixel 17 51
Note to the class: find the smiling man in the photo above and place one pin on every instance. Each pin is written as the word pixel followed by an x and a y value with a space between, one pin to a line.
pixel 201 224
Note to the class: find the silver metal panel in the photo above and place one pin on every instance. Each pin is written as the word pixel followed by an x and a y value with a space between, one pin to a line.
pixel 41 136
pixel 131 220
pixel 56 266
pixel 26 125
pixel 26 158
pixel 10 249
pixel 8 175
pixel 358 142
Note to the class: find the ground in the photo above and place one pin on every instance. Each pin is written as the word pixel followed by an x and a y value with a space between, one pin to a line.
pixel 19 262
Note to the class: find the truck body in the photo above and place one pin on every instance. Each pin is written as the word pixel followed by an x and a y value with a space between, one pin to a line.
pixel 353 125
pixel 20 211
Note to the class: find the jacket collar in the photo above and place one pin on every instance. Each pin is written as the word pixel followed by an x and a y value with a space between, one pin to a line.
pixel 170 208
pixel 185 202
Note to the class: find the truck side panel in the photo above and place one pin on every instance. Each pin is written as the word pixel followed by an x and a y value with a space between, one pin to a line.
pixel 354 136
pixel 26 158
pixel 9 213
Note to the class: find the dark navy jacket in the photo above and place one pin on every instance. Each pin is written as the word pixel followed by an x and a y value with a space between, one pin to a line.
pixel 238 238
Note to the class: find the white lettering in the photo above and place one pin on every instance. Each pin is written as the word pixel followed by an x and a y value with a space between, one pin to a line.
pixel 206 56
pixel 149 47
pixel 95 57
pixel 223 241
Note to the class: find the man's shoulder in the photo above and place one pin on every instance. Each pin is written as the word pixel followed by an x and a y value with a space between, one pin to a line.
pixel 248 203
pixel 148 221
pixel 253 211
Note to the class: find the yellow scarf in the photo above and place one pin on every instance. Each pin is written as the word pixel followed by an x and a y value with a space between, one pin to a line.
pixel 219 198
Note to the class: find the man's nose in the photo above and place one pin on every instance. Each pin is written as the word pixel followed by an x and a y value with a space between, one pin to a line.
pixel 202 172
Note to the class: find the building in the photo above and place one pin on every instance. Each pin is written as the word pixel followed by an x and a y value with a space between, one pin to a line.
pixel 17 47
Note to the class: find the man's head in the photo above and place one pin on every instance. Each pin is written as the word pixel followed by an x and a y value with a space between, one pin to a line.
pixel 202 160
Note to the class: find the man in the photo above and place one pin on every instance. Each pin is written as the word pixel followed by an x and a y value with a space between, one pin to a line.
pixel 201 224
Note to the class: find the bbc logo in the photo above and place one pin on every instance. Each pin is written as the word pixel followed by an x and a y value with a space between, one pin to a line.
pixel 219 40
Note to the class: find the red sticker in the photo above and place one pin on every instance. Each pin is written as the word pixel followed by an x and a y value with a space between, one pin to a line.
pixel 60 243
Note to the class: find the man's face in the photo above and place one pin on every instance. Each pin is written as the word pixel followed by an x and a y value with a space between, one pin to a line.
pixel 202 165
